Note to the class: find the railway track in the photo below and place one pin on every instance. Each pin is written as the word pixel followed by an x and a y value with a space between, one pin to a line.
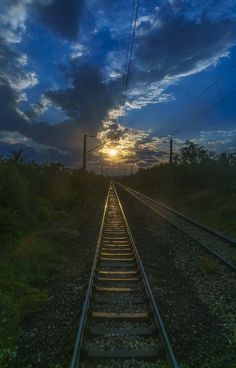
pixel 219 245
pixel 120 324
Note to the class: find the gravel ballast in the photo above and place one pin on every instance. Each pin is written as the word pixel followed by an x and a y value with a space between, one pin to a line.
pixel 195 294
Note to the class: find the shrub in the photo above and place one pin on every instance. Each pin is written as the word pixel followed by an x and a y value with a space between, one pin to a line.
pixel 9 225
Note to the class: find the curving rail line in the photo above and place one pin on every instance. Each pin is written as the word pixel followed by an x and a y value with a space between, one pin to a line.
pixel 120 323
pixel 219 245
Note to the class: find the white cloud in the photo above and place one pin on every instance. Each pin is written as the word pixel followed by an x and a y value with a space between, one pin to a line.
pixel 22 82
pixel 217 137
pixel 78 50
pixel 22 114
pixel 114 75
pixel 114 65
pixel 146 23
pixel 42 106
pixel 23 59
pixel 145 94
pixel 12 20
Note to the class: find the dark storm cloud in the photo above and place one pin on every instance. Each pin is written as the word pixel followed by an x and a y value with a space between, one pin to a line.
pixel 179 46
pixel 42 156
pixel 173 46
pixel 64 136
pixel 86 103
pixel 62 16
pixel 89 99
pixel 10 119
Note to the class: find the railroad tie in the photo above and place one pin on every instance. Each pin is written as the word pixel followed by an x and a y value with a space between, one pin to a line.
pixel 119 319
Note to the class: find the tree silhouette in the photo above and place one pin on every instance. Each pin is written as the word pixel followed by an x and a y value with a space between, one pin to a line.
pixel 17 157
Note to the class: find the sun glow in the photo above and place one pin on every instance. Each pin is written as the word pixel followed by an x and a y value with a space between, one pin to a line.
pixel 113 152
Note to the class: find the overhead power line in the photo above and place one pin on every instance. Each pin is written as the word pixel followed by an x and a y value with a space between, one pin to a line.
pixel 128 48
pixel 222 99
pixel 207 111
pixel 133 24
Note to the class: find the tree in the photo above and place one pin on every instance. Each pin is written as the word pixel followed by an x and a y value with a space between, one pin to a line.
pixel 193 154
pixel 17 157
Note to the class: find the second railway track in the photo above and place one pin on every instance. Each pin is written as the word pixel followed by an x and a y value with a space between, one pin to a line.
pixel 120 324
pixel 217 244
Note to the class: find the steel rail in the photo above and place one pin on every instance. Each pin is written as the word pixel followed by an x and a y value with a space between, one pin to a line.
pixel 76 353
pixel 165 340
pixel 209 250
pixel 187 218
pixel 86 307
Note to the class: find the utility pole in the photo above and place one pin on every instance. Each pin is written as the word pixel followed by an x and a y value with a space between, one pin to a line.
pixel 171 151
pixel 84 152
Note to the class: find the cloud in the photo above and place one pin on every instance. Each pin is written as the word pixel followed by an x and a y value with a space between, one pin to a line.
pixel 172 42
pixel 39 108
pixel 134 146
pixel 12 69
pixel 12 19
pixel 88 100
pixel 78 50
pixel 114 65
pixel 218 140
pixel 18 82
pixel 60 16
pixel 179 47
pixel 149 93
pixel 64 136
pixel 14 138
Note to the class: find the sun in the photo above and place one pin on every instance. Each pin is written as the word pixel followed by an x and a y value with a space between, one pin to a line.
pixel 113 152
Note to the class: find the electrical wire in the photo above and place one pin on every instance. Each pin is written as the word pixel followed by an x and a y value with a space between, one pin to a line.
pixel 128 49
pixel 215 82
pixel 207 111
pixel 129 54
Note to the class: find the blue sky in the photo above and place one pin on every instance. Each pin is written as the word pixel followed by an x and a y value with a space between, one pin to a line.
pixel 63 62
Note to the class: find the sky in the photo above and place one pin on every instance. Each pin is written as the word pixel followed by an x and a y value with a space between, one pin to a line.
pixel 62 69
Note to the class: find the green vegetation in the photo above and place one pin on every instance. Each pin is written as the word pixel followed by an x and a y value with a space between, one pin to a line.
pixel 199 183
pixel 42 208
pixel 210 265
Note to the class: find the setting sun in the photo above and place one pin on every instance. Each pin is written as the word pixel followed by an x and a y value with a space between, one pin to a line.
pixel 113 152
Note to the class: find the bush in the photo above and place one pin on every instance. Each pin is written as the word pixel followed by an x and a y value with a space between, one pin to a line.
pixel 42 211
pixel 9 225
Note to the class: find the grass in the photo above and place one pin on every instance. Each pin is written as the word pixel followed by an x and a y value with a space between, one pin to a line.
pixel 210 266
pixel 212 207
pixel 25 271
pixel 200 184
pixel 42 214
pixel 24 274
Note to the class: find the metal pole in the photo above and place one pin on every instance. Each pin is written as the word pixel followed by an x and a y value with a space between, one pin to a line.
pixel 84 152
pixel 171 151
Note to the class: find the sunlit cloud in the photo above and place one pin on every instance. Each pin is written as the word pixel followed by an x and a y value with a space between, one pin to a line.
pixel 131 146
